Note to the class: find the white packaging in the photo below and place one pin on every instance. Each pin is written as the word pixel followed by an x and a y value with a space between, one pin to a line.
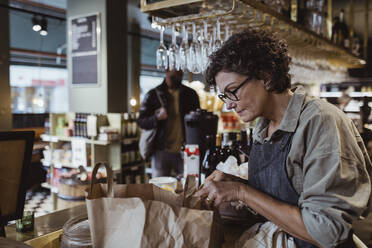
pixel 191 160
pixel 231 167
pixel 92 125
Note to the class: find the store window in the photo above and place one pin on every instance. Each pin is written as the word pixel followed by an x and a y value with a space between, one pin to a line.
pixel 147 83
pixel 38 89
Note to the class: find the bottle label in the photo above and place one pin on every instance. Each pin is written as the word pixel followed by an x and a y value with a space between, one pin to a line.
pixel 191 160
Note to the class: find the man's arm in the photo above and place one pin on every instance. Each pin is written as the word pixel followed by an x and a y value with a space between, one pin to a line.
pixel 147 115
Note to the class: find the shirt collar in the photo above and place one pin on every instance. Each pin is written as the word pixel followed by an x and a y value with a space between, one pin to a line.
pixel 290 118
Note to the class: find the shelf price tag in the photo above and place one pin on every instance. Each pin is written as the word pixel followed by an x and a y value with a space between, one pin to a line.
pixel 79 152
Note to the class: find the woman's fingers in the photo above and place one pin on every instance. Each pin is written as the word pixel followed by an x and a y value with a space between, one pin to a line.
pixel 216 176
pixel 202 192
pixel 214 193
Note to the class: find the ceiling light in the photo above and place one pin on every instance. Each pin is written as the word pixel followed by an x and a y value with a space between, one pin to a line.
pixel 44 27
pixel 36 24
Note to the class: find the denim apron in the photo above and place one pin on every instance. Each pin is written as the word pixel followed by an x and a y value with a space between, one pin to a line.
pixel 267 172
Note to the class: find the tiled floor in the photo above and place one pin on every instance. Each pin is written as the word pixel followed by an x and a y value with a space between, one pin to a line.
pixel 40 202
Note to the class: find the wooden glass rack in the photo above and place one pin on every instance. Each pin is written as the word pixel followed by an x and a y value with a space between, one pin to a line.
pixel 304 44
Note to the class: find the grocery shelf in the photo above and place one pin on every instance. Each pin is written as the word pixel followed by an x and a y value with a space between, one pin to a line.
pixel 128 141
pixel 49 186
pixel 360 94
pixel 52 138
pixel 57 165
pixel 351 94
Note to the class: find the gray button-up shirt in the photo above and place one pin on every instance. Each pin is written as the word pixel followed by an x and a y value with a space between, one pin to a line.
pixel 327 164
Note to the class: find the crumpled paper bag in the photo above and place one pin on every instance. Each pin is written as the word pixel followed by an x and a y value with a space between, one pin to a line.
pixel 144 215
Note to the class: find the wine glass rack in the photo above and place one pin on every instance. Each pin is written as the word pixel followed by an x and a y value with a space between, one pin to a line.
pixel 304 44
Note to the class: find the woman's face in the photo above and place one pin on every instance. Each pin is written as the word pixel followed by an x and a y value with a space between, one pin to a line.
pixel 252 95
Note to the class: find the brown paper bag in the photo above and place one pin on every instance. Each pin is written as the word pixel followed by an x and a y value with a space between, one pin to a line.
pixel 143 215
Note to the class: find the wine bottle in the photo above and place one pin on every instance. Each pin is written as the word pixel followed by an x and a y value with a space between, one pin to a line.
pixel 206 166
pixel 340 31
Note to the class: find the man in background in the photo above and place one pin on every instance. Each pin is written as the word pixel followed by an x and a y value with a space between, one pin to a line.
pixel 164 108
pixel 362 125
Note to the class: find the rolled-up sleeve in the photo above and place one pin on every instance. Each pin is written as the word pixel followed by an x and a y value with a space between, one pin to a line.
pixel 336 182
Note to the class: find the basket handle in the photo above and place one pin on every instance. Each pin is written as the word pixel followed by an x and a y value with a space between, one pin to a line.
pixel 110 192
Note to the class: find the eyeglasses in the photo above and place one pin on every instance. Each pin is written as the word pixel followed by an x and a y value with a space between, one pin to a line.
pixel 231 95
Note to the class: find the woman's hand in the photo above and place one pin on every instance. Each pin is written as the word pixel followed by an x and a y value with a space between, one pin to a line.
pixel 218 176
pixel 216 192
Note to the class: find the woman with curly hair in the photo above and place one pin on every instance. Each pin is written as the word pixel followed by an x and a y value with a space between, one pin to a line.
pixel 309 172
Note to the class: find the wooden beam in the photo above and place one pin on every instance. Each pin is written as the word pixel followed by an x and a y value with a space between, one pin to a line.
pixel 41 5
pixel 145 7
pixel 365 45
pixel 36 53
pixel 351 19
pixel 329 19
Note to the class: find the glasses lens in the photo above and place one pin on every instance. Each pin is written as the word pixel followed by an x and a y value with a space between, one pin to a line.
pixel 222 97
pixel 231 96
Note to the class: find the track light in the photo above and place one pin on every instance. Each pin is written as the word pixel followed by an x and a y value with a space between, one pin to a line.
pixel 44 27
pixel 36 24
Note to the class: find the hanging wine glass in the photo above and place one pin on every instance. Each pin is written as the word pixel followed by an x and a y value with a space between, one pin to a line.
pixel 172 52
pixel 204 46
pixel 227 32
pixel 161 53
pixel 217 42
pixel 183 50
pixel 194 53
pixel 212 38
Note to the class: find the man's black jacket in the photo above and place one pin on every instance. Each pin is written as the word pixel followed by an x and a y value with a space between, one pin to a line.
pixel 188 101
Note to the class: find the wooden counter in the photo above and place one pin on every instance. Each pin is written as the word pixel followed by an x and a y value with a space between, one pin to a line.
pixel 46 227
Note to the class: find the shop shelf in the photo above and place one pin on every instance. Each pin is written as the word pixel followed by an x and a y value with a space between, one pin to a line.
pixel 45 163
pixel 330 94
pixel 52 138
pixel 48 186
pixel 360 94
pixel 351 94
pixel 128 141
pixel 58 165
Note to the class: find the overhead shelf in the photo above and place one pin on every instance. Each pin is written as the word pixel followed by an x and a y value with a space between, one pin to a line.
pixel 339 94
pixel 303 43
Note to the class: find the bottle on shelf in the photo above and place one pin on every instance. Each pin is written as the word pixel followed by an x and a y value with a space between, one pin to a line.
pixel 340 31
pixel 76 125
pixel 236 149
pixel 83 124
pixel 208 164
pixel 124 125
pixel 294 10
pixel 47 126
pixel 135 125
